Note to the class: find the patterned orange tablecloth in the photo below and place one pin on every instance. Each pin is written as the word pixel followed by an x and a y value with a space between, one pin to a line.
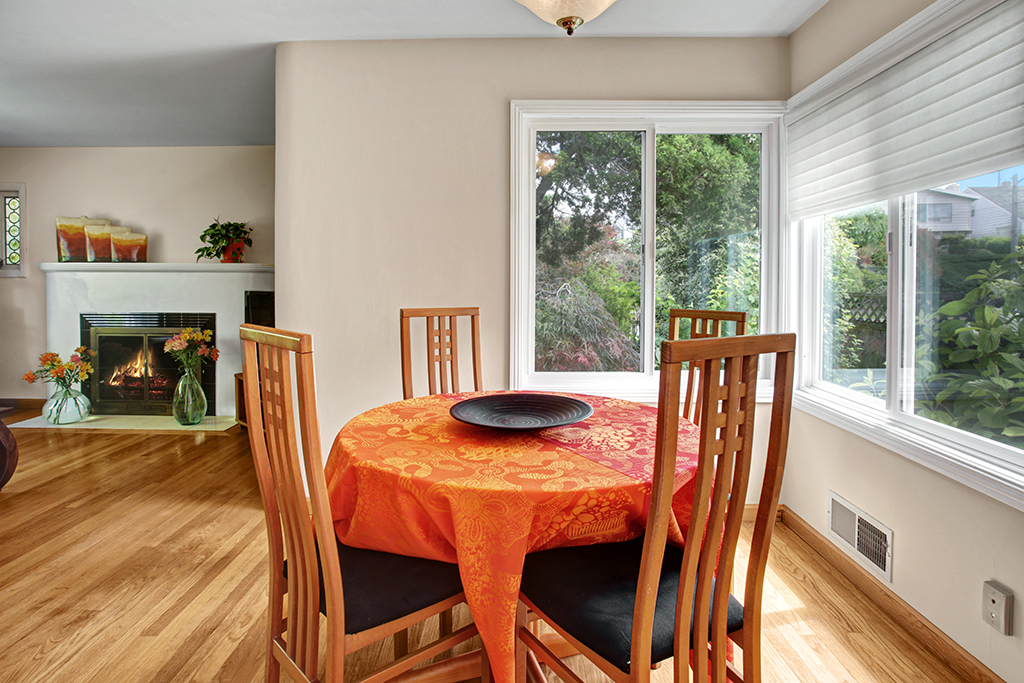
pixel 408 478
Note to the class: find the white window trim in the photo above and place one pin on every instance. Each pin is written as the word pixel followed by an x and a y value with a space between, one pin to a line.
pixel 529 116
pixel 983 465
pixel 19 270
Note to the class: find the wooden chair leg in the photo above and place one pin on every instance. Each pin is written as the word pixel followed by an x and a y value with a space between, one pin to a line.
pixel 485 666
pixel 520 647
pixel 534 673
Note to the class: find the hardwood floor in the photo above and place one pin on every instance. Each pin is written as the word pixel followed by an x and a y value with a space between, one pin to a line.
pixel 133 557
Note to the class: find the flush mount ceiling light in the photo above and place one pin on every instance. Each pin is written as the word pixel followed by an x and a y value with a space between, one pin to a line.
pixel 567 13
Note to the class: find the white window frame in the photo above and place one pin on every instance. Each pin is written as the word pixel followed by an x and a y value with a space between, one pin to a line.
pixel 654 118
pixel 18 270
pixel 984 465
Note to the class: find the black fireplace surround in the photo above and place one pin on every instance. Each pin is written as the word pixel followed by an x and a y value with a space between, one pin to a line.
pixel 133 375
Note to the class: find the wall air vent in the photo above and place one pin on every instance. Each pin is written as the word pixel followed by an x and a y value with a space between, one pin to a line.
pixel 862 536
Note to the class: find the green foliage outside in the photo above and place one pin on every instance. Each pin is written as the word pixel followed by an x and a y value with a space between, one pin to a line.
pixel 589 240
pixel 856 265
pixel 970 353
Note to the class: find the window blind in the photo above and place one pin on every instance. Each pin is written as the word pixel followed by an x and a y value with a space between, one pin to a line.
pixel 952 110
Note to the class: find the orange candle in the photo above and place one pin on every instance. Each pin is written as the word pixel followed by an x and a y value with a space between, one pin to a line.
pixel 128 246
pixel 97 240
pixel 71 238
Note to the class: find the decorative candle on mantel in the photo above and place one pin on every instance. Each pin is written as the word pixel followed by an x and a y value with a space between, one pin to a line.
pixel 128 246
pixel 71 238
pixel 97 239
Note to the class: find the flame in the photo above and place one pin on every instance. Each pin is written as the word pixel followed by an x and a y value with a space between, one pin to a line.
pixel 134 368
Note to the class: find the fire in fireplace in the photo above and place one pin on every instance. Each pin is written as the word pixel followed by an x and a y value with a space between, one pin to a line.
pixel 133 375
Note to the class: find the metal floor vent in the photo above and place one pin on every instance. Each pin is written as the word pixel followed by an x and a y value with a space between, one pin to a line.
pixel 865 537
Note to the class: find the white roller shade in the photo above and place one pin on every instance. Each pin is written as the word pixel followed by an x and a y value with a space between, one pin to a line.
pixel 950 111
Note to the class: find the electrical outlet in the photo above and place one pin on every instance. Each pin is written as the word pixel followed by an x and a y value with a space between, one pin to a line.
pixel 997 607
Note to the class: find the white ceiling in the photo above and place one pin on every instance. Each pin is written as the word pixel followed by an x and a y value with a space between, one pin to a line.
pixel 201 72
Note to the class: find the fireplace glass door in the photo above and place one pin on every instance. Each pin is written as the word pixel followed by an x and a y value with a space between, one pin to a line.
pixel 134 374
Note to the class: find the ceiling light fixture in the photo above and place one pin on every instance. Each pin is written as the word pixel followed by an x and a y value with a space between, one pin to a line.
pixel 568 14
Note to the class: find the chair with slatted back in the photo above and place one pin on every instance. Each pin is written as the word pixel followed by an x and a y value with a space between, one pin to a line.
pixel 363 595
pixel 442 348
pixel 703 324
pixel 628 605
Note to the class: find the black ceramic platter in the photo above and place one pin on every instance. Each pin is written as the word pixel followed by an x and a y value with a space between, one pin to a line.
pixel 521 411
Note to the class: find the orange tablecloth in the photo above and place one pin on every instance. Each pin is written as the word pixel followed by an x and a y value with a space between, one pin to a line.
pixel 408 478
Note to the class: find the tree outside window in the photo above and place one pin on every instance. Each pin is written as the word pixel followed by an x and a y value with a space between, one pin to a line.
pixel 590 265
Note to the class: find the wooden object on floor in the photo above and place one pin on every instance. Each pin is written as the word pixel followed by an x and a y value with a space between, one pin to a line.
pixel 703 324
pixel 588 594
pixel 442 348
pixel 180 582
pixel 385 593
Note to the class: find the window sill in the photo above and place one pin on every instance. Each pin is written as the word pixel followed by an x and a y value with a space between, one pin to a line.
pixel 982 466
pixel 637 387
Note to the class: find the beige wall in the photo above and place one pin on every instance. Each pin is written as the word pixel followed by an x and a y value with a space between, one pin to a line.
pixel 841 29
pixel 169 193
pixel 393 178
pixel 947 538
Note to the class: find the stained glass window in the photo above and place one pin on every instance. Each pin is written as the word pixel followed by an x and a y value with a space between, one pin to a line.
pixel 12 230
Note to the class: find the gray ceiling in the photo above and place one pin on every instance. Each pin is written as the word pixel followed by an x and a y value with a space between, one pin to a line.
pixel 201 72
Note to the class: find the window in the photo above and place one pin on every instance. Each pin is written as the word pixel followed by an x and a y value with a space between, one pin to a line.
pixel 908 294
pixel 623 211
pixel 854 301
pixel 12 246
pixel 967 318
pixel 935 213
pixel 961 305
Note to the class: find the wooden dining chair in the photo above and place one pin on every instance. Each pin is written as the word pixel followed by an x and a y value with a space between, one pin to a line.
pixel 703 324
pixel 363 595
pixel 442 348
pixel 628 605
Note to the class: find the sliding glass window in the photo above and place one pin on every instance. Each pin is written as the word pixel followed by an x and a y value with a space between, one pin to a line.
pixel 620 223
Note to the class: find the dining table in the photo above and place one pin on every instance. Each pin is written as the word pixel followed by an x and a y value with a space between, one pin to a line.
pixel 409 478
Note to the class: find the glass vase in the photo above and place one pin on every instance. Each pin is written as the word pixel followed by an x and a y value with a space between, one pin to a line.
pixel 66 406
pixel 189 402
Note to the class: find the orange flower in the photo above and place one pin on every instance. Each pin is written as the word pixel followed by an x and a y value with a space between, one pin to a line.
pixel 30 377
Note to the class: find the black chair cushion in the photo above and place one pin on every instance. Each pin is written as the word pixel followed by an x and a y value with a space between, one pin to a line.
pixel 590 591
pixel 381 587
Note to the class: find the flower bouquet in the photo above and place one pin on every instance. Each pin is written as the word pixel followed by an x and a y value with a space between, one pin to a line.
pixel 191 348
pixel 66 405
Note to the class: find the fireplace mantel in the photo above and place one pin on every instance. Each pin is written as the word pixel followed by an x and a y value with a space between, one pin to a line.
pixel 223 268
pixel 75 288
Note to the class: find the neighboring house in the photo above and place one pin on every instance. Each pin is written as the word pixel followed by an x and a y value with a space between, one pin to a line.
pixel 993 211
pixel 945 211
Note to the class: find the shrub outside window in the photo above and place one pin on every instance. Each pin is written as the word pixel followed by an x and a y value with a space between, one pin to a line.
pixel 959 307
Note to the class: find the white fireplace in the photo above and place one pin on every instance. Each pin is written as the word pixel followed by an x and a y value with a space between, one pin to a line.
pixel 219 288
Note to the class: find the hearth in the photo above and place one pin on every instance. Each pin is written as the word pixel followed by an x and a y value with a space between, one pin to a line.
pixel 133 375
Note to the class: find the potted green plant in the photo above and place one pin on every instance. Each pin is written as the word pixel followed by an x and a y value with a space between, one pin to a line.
pixel 224 241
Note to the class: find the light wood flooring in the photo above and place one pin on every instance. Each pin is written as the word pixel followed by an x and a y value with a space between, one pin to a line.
pixel 135 557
